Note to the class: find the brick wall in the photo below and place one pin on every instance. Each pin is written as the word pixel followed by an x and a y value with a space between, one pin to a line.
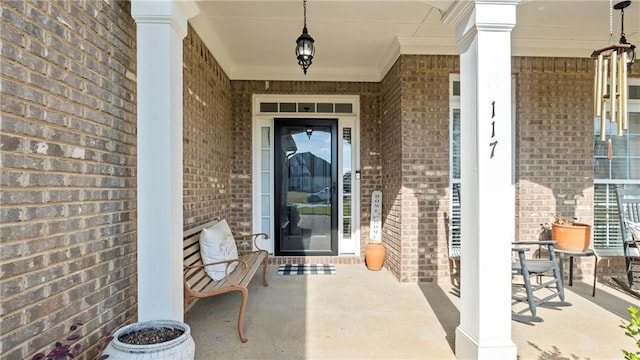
pixel 68 201
pixel 391 147
pixel 416 166
pixel 554 141
pixel 554 164
pixel 68 157
pixel 208 141
pixel 554 157
pixel 555 148
pixel 425 165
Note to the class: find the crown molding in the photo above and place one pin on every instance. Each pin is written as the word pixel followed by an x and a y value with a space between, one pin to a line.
pixel 536 47
pixel 458 13
pixel 389 58
pixel 293 72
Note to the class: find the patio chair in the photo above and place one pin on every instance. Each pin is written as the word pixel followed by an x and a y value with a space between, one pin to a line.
pixel 629 210
pixel 548 285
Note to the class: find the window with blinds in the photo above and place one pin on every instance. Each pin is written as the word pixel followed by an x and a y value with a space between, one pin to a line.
pixel 620 169
pixel 454 221
pixel 454 243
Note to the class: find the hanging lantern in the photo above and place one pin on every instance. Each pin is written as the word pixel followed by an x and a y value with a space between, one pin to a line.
pixel 304 45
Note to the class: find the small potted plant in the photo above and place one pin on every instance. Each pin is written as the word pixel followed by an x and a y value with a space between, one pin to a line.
pixel 71 346
pixel 570 235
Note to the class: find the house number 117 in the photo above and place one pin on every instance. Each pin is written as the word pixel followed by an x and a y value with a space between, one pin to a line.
pixel 493 143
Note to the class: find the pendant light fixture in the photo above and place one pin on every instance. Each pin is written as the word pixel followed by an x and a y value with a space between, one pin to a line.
pixel 304 45
pixel 610 89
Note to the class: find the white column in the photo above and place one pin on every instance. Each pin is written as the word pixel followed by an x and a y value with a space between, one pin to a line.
pixel 161 27
pixel 488 203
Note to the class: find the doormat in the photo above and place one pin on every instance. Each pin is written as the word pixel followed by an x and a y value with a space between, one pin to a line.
pixel 306 269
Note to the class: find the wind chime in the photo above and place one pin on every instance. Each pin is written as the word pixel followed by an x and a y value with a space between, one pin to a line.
pixel 610 90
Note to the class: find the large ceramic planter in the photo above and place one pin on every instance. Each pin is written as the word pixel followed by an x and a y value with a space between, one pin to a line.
pixel 571 237
pixel 180 348
pixel 374 256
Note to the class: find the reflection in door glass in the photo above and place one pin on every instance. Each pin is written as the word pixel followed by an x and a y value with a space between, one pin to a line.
pixel 307 188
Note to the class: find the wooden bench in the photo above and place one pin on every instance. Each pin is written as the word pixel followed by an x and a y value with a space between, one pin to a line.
pixel 197 284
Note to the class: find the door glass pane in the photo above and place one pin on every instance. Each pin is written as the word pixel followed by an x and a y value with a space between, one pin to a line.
pixel 265 160
pixel 265 179
pixel 265 205
pixel 265 138
pixel 266 183
pixel 307 188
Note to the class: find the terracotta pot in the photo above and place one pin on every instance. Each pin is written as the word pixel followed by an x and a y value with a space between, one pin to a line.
pixel 374 256
pixel 571 237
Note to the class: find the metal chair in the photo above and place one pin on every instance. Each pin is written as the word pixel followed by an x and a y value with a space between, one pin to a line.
pixel 549 284
pixel 629 210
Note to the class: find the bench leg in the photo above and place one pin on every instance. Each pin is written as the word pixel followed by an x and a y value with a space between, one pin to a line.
pixel 264 270
pixel 243 306
pixel 186 301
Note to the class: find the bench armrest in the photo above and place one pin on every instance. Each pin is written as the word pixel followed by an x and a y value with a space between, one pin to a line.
pixel 254 239
pixel 242 263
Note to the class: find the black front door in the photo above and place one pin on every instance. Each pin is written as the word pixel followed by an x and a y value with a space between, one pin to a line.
pixel 306 183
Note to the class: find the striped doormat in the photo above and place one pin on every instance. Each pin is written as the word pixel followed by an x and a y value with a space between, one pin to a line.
pixel 306 269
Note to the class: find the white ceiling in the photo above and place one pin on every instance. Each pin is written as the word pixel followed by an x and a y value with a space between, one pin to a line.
pixel 359 40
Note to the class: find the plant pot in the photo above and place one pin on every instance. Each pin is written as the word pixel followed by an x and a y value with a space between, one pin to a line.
pixel 180 348
pixel 571 237
pixel 374 256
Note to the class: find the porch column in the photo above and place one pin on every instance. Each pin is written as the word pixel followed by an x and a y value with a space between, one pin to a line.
pixel 161 27
pixel 483 31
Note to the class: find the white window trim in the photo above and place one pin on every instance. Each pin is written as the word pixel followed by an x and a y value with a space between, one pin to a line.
pixel 266 119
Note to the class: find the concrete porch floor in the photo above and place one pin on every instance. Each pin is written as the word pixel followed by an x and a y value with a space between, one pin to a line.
pixel 360 314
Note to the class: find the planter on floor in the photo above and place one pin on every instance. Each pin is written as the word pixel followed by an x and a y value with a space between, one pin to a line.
pixel 181 347
pixel 374 256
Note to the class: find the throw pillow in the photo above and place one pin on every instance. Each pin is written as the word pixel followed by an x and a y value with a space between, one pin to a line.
pixel 634 229
pixel 217 244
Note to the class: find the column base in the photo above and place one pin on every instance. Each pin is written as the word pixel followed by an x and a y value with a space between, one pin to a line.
pixel 468 348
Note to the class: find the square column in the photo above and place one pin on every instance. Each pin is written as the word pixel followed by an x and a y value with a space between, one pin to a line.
pixel 487 190
pixel 161 28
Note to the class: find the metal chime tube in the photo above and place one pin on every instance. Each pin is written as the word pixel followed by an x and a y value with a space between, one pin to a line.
pixel 603 98
pixel 595 87
pixel 619 96
pixel 613 83
pixel 598 86
pixel 597 96
pixel 624 91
